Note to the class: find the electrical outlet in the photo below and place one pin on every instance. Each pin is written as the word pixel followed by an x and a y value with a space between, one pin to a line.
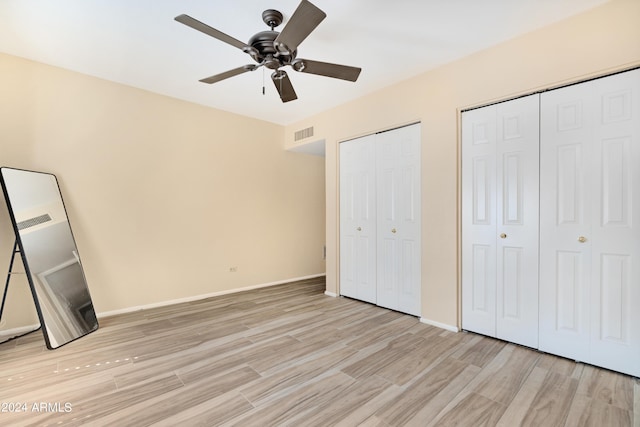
pixel 233 269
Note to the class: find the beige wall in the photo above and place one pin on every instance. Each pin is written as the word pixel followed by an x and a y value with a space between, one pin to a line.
pixel 604 39
pixel 164 196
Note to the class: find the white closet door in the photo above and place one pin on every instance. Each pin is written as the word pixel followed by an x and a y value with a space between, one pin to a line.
pixel 590 222
pixel 358 219
pixel 500 220
pixel 517 199
pixel 565 215
pixel 615 231
pixel 398 229
pixel 479 226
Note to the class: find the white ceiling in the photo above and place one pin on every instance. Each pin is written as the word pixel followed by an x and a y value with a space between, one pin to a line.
pixel 138 43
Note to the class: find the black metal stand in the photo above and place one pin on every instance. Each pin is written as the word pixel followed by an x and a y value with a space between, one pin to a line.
pixel 16 250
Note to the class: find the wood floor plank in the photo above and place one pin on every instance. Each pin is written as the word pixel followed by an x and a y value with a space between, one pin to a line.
pixel 521 403
pixel 148 369
pixel 552 402
pixel 273 356
pixel 405 407
pixel 292 408
pixel 389 328
pixel 270 387
pixel 385 356
pixel 410 365
pixel 181 399
pixel 288 355
pixel 372 421
pixel 433 406
pixel 361 415
pixel 636 404
pixel 588 412
pixel 563 366
pixel 353 397
pixel 99 406
pixel 475 409
pixel 608 387
pixel 213 412
pixel 508 375
pixel 482 351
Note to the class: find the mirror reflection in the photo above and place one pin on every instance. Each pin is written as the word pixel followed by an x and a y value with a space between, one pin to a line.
pixel 50 255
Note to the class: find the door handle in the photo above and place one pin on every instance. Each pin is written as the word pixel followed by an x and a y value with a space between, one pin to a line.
pixel 359 228
pixel 503 235
pixel 582 239
pixel 393 230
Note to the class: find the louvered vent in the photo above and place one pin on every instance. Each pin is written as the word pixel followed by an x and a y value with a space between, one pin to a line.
pixel 31 222
pixel 304 133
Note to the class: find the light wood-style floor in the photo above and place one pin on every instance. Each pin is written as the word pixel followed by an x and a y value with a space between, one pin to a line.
pixel 289 355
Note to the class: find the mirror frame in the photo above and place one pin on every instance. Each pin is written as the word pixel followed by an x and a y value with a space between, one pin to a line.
pixel 25 262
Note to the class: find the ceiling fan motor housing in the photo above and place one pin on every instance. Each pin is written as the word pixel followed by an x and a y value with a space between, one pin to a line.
pixel 263 43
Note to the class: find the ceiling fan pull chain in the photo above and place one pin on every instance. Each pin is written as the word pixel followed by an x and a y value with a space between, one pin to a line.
pixel 263 92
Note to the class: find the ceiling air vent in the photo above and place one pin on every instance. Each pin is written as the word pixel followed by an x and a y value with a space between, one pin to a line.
pixel 31 222
pixel 304 133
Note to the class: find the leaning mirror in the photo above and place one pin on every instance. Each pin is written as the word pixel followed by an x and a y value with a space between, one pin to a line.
pixel 49 254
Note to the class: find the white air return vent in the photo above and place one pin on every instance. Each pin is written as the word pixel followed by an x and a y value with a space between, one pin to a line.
pixel 303 134
pixel 32 222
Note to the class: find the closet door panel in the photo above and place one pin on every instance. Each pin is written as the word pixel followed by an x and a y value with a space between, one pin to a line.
pixel 398 180
pixel 358 219
pixel 410 230
pixel 615 292
pixel 565 216
pixel 387 174
pixel 590 222
pixel 479 229
pixel 517 195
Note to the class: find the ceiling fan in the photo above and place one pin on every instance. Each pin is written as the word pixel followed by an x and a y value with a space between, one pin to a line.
pixel 275 50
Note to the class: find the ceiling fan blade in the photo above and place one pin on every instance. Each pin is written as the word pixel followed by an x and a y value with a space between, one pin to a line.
pixel 204 28
pixel 326 69
pixel 230 73
pixel 284 86
pixel 303 21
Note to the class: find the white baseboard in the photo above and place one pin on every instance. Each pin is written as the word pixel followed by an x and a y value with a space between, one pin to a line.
pixel 203 296
pixel 439 325
pixel 14 332
pixel 331 294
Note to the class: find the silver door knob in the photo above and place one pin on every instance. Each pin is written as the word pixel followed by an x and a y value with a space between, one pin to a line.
pixel 582 239
pixel 393 230
pixel 359 228
pixel 503 235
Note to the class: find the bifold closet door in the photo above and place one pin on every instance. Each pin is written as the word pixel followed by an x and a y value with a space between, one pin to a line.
pixel 358 219
pixel 590 222
pixel 398 228
pixel 479 221
pixel 380 219
pixel 500 188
